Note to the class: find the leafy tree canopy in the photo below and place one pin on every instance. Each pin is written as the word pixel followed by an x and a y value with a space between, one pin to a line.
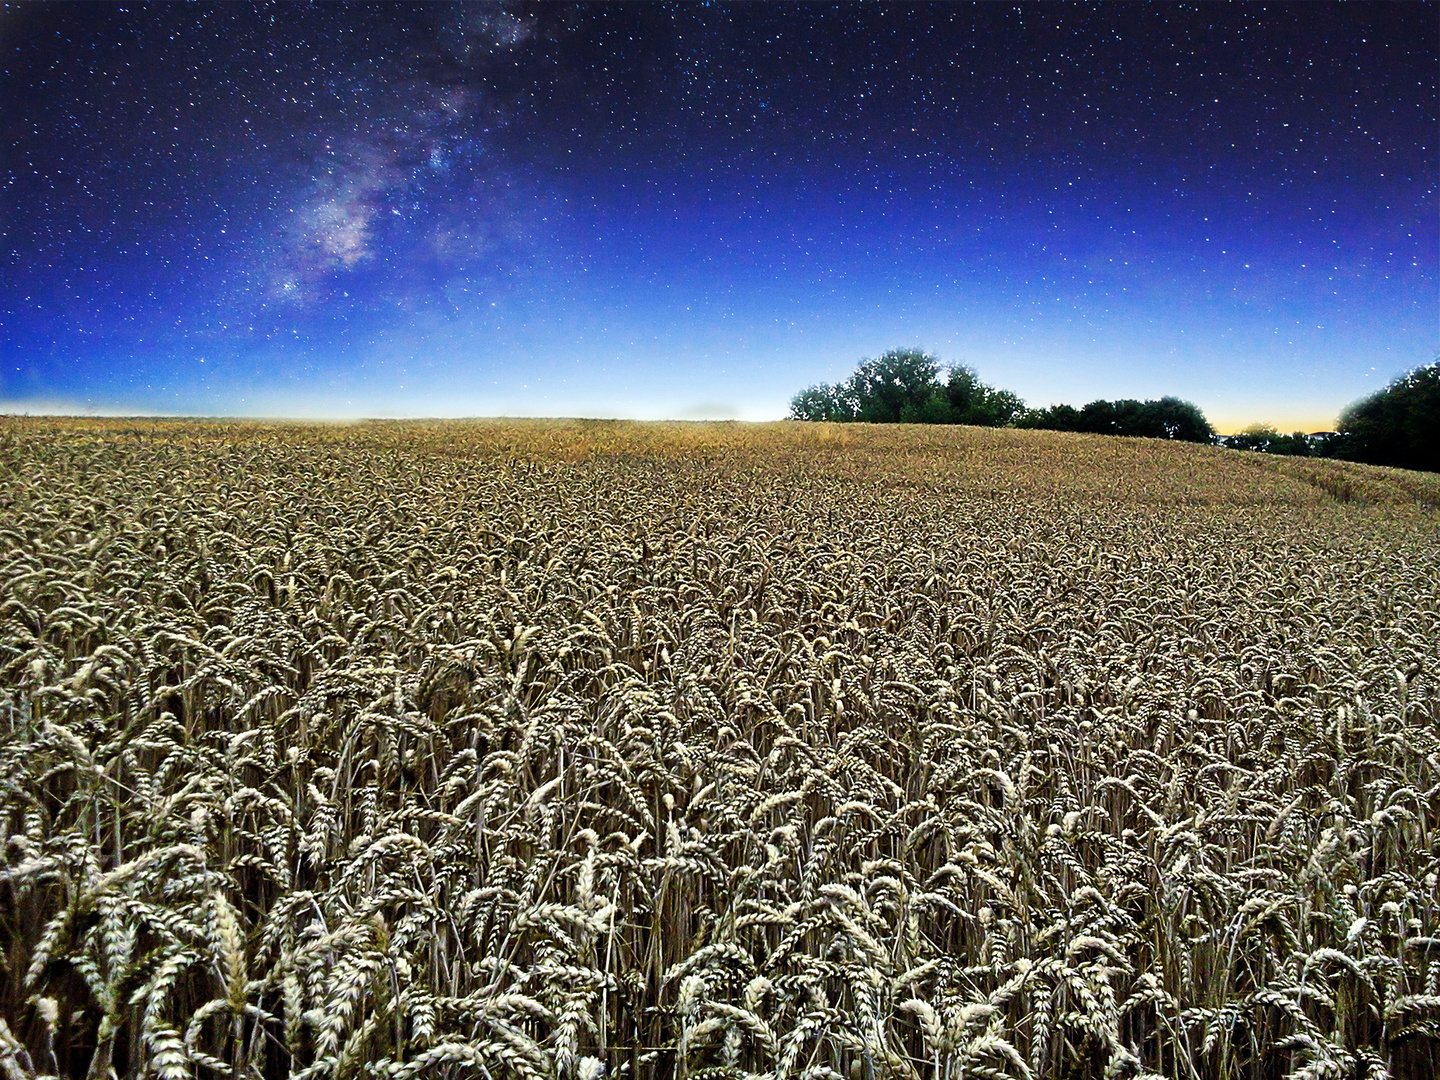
pixel 903 386
pixel 1399 426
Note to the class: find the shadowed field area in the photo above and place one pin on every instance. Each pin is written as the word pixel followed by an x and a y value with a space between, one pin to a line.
pixel 582 748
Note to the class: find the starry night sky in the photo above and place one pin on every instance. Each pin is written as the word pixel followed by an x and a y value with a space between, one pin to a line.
pixel 697 210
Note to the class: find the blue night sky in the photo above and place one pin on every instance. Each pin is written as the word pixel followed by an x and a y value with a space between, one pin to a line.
pixel 697 210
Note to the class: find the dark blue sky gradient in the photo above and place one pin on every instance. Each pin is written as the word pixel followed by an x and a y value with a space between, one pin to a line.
pixel 690 210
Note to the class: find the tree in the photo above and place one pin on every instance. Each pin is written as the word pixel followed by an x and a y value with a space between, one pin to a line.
pixel 1165 418
pixel 1176 419
pixel 970 401
pixel 1102 417
pixel 1264 439
pixel 903 386
pixel 1399 426
pixel 887 386
pixel 822 402
pixel 1055 418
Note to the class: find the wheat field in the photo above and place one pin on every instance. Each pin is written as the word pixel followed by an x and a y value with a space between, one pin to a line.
pixel 583 749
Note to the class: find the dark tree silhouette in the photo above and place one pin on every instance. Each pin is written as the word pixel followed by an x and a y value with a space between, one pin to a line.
pixel 1398 426
pixel 1165 418
pixel 1266 440
pixel 969 401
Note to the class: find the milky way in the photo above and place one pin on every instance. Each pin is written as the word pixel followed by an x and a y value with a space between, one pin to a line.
pixel 698 210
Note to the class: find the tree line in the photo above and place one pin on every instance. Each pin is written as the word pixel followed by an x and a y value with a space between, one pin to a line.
pixel 1398 426
pixel 905 386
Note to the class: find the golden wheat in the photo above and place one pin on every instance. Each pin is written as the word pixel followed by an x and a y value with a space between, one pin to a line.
pixel 588 749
